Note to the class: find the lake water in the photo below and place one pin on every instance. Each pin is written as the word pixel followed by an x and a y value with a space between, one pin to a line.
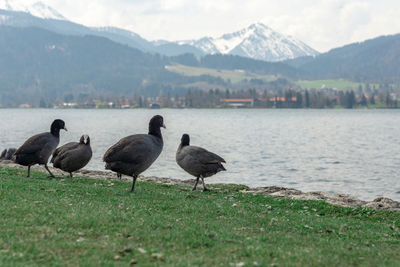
pixel 343 151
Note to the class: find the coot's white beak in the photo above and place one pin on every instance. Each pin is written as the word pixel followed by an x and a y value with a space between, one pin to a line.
pixel 165 127
pixel 65 128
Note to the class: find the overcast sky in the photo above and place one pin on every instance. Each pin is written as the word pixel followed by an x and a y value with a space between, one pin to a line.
pixel 322 24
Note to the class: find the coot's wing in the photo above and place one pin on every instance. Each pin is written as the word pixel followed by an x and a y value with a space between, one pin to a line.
pixel 67 153
pixel 203 155
pixel 73 159
pixel 34 144
pixel 129 149
pixel 62 149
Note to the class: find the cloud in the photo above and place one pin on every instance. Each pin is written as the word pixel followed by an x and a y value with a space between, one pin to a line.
pixel 332 23
pixel 323 24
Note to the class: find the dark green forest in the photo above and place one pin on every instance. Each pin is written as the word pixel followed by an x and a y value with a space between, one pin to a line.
pixel 373 61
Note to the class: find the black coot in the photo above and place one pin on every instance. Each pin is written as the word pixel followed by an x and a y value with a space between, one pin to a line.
pixel 3 154
pixel 133 154
pixel 38 148
pixel 10 153
pixel 73 156
pixel 198 161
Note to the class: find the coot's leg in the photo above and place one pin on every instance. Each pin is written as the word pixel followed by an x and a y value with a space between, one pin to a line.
pixel 70 175
pixel 133 184
pixel 195 185
pixel 119 175
pixel 29 171
pixel 204 185
pixel 47 168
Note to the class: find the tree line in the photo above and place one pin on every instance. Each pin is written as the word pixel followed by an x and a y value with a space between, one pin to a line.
pixel 291 98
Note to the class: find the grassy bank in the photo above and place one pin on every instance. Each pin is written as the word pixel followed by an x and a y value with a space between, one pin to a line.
pixel 98 223
pixel 233 76
pixel 338 84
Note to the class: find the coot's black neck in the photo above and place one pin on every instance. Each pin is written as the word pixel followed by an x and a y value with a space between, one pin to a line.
pixel 185 140
pixel 155 131
pixel 55 131
pixel 183 144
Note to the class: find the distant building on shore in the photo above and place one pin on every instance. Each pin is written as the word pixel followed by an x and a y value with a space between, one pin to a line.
pixel 155 105
pixel 25 106
pixel 238 102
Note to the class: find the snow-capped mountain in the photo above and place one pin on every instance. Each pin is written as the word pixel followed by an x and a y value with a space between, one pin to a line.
pixel 257 41
pixel 38 9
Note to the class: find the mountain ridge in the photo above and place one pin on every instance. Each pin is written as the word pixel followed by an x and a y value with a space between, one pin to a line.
pixel 373 60
pixel 257 41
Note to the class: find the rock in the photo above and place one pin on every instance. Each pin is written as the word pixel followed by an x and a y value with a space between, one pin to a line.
pixel 158 256
pixel 383 203
pixel 117 257
pixel 142 250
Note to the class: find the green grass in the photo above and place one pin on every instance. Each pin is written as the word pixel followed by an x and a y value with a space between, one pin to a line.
pixel 233 76
pixel 99 223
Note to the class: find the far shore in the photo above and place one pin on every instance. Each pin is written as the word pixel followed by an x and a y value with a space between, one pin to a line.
pixel 342 200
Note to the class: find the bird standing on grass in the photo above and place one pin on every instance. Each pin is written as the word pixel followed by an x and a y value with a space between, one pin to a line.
pixel 3 154
pixel 198 161
pixel 10 153
pixel 7 154
pixel 133 154
pixel 73 156
pixel 38 148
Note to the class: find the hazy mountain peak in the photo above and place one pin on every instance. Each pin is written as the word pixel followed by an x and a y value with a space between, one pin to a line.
pixel 259 25
pixel 38 9
pixel 41 10
pixel 257 41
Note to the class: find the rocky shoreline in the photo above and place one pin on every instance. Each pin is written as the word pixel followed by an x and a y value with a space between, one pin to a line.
pixel 342 200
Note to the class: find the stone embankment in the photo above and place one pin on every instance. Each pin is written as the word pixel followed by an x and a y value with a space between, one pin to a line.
pixel 343 200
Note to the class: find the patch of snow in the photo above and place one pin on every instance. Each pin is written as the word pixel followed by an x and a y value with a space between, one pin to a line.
pixel 41 10
pixel 160 42
pixel 38 9
pixel 116 30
